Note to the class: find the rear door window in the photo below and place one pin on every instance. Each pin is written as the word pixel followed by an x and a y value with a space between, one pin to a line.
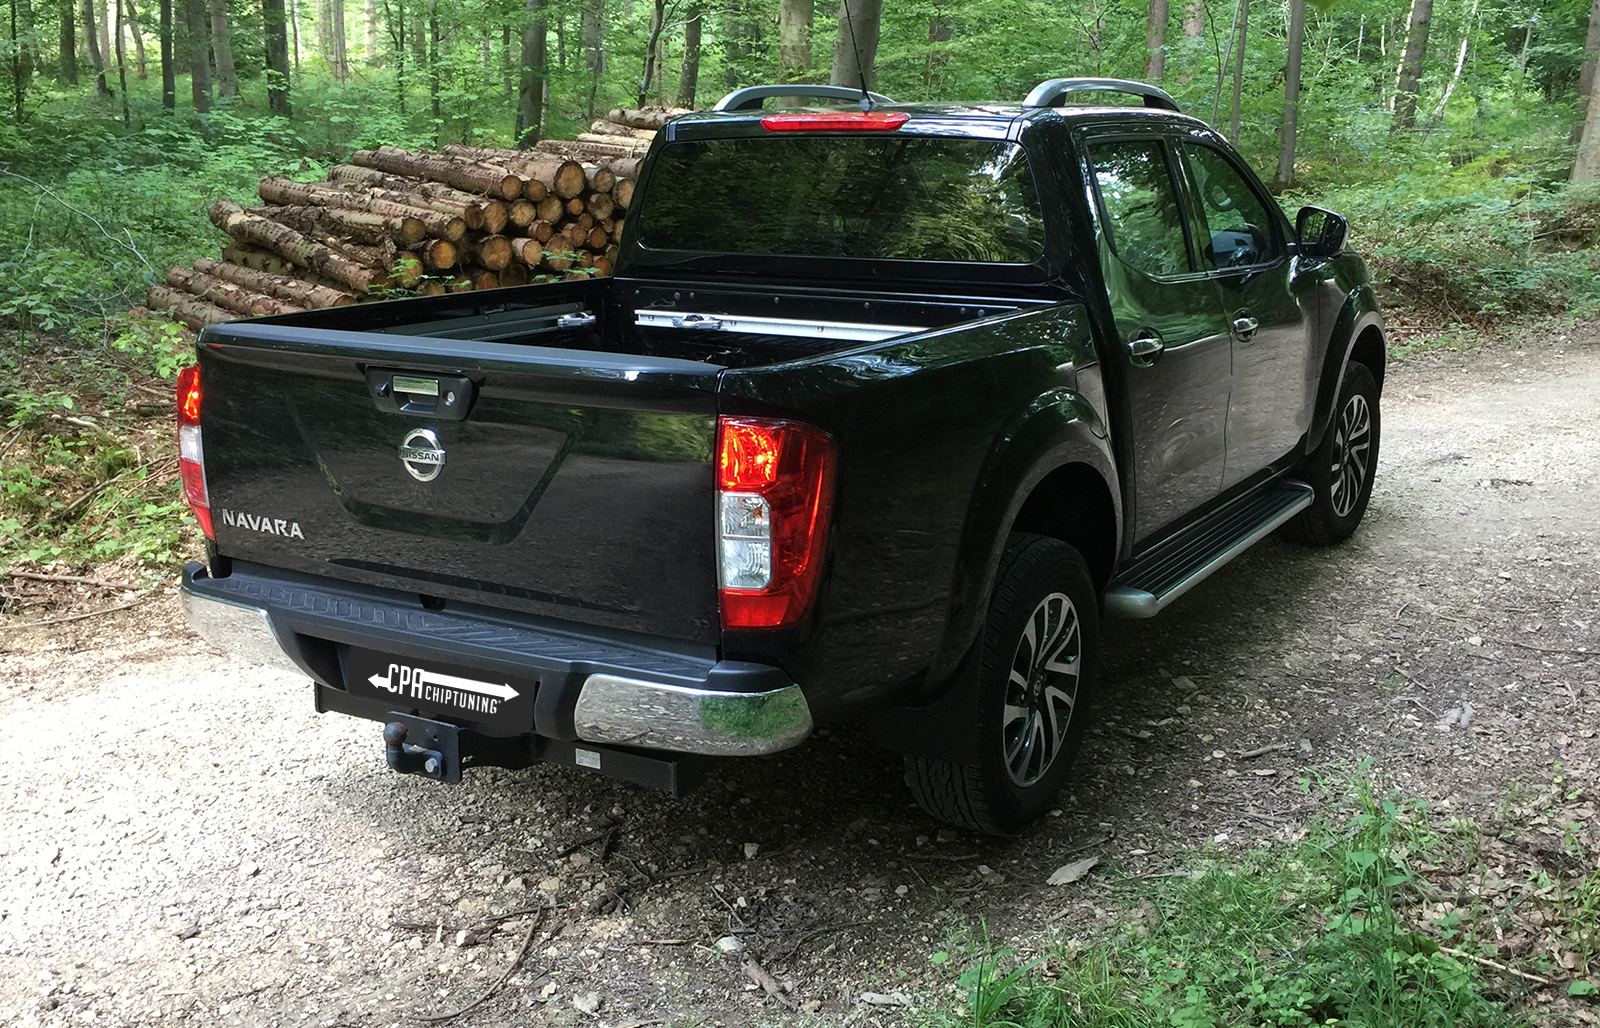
pixel 1143 220
pixel 895 198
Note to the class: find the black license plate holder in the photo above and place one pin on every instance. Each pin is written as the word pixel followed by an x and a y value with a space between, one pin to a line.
pixel 453 690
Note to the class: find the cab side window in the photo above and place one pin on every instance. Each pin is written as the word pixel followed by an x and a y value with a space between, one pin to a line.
pixel 1233 228
pixel 1143 220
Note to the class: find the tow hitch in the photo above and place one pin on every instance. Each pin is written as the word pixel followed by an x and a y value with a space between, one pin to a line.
pixel 416 746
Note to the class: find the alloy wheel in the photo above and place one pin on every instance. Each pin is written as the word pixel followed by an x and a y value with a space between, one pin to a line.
pixel 1042 690
pixel 1352 448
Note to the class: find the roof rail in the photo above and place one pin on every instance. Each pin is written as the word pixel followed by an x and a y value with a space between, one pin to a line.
pixel 1049 93
pixel 749 98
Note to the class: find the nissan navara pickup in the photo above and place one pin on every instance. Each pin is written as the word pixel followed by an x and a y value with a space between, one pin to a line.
pixel 886 407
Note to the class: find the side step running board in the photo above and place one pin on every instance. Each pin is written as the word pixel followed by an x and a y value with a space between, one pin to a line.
pixel 1179 564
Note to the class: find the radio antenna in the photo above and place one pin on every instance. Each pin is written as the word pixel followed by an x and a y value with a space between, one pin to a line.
pixel 855 48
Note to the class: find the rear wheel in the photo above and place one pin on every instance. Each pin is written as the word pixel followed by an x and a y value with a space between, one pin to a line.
pixel 1040 653
pixel 1343 468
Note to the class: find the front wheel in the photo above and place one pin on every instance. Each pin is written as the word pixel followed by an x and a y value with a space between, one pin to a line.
pixel 1343 468
pixel 1040 655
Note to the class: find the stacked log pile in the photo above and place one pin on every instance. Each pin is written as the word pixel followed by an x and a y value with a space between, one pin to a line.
pixel 394 222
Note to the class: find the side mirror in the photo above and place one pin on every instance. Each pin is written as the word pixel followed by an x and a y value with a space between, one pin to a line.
pixel 1320 232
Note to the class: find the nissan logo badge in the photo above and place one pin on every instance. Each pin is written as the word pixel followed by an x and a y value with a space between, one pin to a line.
pixel 422 455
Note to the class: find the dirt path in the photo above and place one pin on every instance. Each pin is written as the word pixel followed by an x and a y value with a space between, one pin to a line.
pixel 187 843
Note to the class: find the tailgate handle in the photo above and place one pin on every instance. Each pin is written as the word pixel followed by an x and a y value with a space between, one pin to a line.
pixel 422 394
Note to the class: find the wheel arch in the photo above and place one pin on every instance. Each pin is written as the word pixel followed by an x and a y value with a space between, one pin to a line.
pixel 1358 335
pixel 1050 474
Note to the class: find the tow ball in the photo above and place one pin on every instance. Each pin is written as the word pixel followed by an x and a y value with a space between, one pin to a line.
pixel 417 746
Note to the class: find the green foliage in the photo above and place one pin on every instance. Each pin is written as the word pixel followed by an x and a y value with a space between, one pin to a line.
pixel 1321 931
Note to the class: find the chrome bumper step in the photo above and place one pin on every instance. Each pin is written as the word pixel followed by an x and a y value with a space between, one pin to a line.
pixel 1180 563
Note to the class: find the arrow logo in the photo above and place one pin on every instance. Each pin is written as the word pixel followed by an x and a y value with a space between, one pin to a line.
pixel 421 677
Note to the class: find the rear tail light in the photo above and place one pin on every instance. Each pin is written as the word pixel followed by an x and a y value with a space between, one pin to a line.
pixel 774 498
pixel 191 455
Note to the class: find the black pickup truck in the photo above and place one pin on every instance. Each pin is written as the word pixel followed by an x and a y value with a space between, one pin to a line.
pixel 885 408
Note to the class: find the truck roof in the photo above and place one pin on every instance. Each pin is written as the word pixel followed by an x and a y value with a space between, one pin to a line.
pixel 740 112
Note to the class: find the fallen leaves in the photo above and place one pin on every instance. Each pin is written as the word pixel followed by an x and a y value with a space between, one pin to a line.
pixel 1066 874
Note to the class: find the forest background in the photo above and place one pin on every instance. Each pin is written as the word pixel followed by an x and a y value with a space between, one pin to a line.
pixel 1448 130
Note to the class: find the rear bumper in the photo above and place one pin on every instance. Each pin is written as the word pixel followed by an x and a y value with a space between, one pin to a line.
pixel 604 688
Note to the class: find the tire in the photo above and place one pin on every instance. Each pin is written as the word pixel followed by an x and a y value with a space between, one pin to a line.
pixel 1342 469
pixel 1042 589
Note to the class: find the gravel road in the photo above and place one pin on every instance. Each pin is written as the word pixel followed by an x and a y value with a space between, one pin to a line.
pixel 187 843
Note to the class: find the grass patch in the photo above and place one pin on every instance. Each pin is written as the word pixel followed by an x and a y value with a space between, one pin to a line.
pixel 1353 925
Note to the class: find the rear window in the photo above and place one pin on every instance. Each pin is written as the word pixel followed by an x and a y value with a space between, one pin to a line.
pixel 885 198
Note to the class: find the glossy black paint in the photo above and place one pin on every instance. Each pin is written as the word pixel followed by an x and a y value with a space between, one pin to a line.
pixel 579 488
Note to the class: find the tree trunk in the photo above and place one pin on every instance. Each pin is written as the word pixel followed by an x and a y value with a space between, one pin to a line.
pixel 464 175
pixel 199 56
pixel 169 71
pixel 1591 57
pixel 493 252
pixel 277 40
pixel 433 69
pixel 1155 41
pixel 400 221
pixel 855 50
pixel 530 95
pixel 594 47
pixel 1587 167
pixel 122 73
pixel 479 212
pixel 689 78
pixel 1461 62
pixel 227 77
pixel 69 43
pixel 282 287
pixel 325 214
pixel 652 53
pixel 1405 103
pixel 294 30
pixel 105 31
pixel 369 23
pixel 1522 68
pixel 86 8
pixel 18 87
pixel 1289 133
pixel 229 295
pixel 189 309
pixel 1238 71
pixel 341 52
pixel 27 40
pixel 138 41
pixel 395 15
pixel 292 246
pixel 1194 19
pixel 795 19
pixel 938 58
pixel 565 178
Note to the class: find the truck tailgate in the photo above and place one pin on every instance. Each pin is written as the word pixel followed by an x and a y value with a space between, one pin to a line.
pixel 578 485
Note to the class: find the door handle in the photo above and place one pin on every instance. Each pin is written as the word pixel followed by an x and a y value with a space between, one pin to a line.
pixel 1244 326
pixel 1144 349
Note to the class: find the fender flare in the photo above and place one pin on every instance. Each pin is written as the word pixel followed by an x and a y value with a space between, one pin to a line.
pixel 1357 314
pixel 1060 428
